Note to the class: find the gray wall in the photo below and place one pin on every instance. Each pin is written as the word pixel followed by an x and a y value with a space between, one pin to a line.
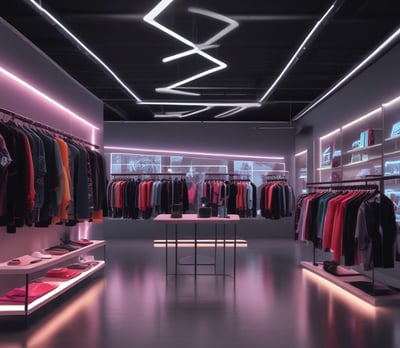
pixel 229 138
pixel 23 59
pixel 374 86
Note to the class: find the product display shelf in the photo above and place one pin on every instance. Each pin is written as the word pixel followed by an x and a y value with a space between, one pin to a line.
pixel 362 148
pixel 392 138
pixel 355 163
pixel 62 285
pixel 345 282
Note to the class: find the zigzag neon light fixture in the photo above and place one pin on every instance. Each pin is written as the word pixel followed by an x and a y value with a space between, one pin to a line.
pixel 194 48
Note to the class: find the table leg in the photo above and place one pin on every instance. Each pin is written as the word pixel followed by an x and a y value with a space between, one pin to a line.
pixel 215 249
pixel 166 249
pixel 195 249
pixel 224 248
pixel 176 249
pixel 234 253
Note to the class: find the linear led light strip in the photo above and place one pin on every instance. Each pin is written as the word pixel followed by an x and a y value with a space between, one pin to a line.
pixel 84 47
pixel 329 134
pixel 234 108
pixel 195 49
pixel 362 118
pixel 295 56
pixel 169 152
pixel 391 39
pixel 300 153
pixel 182 114
pixel 45 97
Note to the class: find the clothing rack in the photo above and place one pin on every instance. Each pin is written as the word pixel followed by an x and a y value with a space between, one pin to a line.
pixel 332 185
pixel 46 127
pixel 365 180
pixel 230 175
pixel 151 174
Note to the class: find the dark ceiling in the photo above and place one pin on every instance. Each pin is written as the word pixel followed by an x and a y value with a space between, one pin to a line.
pixel 256 51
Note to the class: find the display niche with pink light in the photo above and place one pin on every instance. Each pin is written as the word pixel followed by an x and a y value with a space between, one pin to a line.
pixel 48 177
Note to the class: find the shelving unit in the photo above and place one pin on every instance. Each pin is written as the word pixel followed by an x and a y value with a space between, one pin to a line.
pixel 30 271
pixel 355 150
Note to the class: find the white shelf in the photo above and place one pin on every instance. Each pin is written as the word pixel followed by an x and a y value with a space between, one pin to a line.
pixel 328 168
pixel 63 286
pixel 363 148
pixel 370 159
pixel 397 137
pixel 48 263
pixel 393 153
pixel 345 284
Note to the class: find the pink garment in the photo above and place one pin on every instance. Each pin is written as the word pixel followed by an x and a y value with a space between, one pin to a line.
pixel 35 290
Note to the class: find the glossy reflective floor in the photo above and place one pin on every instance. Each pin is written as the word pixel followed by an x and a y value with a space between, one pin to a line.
pixel 274 303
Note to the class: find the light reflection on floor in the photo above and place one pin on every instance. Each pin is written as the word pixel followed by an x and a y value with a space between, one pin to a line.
pixel 273 303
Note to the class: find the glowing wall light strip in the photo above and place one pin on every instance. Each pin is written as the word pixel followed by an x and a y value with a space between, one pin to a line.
pixel 173 152
pixel 392 102
pixel 195 49
pixel 300 153
pixel 329 134
pixel 84 47
pixel 302 47
pixel 45 97
pixel 362 118
pixel 391 39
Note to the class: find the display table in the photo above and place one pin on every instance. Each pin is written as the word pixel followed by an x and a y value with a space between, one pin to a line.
pixel 195 221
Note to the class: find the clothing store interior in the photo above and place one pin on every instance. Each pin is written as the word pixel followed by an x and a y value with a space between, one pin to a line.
pixel 197 173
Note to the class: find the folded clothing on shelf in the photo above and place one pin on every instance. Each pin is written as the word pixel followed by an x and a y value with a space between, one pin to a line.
pixel 24 260
pixel 62 272
pixel 41 255
pixel 35 290
pixel 80 242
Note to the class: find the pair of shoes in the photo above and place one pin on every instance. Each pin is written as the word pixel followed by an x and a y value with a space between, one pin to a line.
pixel 41 255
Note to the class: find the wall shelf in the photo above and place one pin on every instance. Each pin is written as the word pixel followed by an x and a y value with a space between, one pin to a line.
pixel 63 285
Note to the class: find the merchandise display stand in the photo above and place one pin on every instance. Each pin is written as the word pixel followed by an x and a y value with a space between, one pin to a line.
pixel 195 221
pixel 384 295
pixel 30 271
pixel 361 285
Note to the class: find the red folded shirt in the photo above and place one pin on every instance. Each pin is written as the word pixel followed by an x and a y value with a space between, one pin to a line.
pixel 35 290
pixel 62 273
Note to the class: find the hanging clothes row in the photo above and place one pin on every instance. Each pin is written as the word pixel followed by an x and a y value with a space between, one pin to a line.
pixel 277 199
pixel 238 196
pixel 145 198
pixel 47 178
pixel 357 224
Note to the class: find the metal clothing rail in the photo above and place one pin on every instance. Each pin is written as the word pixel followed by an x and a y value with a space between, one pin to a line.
pixel 366 186
pixel 46 127
pixel 140 174
pixel 367 179
pixel 226 174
